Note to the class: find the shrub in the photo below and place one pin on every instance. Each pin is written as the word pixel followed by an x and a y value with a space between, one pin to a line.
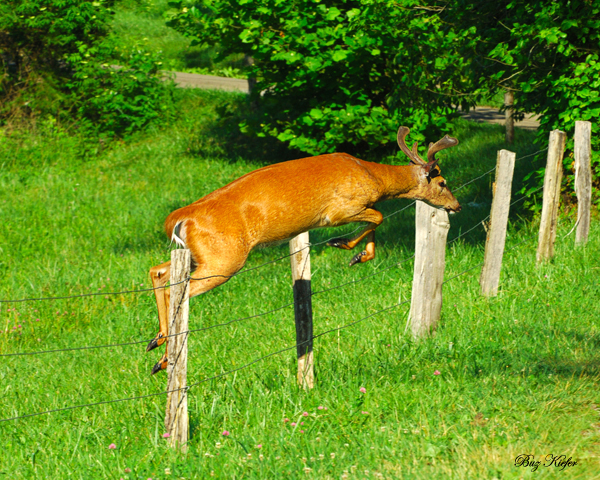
pixel 55 60
pixel 112 100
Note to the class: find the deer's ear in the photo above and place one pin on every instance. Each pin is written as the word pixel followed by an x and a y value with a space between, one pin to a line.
pixel 429 168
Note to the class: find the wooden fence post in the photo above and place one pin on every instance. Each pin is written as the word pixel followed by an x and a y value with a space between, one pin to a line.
pixel 583 179
pixel 303 309
pixel 431 225
pixel 176 417
pixel 552 179
pixel 494 245
pixel 509 121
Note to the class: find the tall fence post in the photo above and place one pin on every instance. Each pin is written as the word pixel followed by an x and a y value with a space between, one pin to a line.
pixel 509 120
pixel 552 179
pixel 431 226
pixel 176 417
pixel 496 238
pixel 583 179
pixel 303 309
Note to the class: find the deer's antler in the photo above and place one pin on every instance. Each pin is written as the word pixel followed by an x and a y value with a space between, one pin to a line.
pixel 413 155
pixel 445 142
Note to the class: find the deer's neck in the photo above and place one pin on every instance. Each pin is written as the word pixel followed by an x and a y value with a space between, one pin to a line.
pixel 398 181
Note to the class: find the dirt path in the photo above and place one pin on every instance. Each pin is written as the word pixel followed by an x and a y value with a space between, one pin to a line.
pixel 492 115
pixel 195 80
pixel 479 114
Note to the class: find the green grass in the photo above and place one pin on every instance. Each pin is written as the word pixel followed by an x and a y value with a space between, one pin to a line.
pixel 519 372
pixel 143 23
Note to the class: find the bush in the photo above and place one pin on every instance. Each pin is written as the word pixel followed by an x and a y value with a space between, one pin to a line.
pixel 55 61
pixel 342 74
pixel 114 100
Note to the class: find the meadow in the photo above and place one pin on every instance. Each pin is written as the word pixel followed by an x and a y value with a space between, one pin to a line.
pixel 502 377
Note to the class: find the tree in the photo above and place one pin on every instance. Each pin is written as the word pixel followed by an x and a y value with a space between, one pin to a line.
pixel 547 52
pixel 344 74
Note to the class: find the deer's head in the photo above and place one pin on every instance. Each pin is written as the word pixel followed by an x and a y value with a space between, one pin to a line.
pixel 431 186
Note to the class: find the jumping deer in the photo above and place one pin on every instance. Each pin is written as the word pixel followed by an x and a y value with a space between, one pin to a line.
pixel 280 201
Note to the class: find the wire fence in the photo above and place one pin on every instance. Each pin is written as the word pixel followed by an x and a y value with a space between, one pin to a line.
pixel 217 376
pixel 289 304
pixel 253 362
pixel 236 320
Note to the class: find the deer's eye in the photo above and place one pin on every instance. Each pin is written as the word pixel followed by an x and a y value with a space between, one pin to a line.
pixel 442 184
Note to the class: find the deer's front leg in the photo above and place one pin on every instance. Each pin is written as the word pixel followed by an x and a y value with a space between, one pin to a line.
pixel 374 218
pixel 368 253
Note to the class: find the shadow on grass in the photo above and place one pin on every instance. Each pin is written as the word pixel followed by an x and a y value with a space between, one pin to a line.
pixel 216 132
pixel 566 367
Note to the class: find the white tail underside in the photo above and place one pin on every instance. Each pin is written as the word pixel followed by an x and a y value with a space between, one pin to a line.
pixel 178 234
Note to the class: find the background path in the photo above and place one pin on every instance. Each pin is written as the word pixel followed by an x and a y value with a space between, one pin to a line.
pixel 478 114
pixel 493 115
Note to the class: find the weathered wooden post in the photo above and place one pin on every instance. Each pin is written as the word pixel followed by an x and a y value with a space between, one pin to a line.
pixel 509 120
pixel 583 179
pixel 431 225
pixel 176 417
pixel 552 179
pixel 494 245
pixel 303 309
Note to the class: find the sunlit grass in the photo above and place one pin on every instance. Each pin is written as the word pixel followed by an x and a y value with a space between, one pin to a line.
pixel 518 373
pixel 142 23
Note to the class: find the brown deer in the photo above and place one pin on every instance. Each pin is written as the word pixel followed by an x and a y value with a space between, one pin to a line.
pixel 280 201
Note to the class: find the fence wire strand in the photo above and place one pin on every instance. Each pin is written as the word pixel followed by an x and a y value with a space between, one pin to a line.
pixel 137 342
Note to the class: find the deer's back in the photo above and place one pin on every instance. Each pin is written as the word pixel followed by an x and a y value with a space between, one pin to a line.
pixel 279 201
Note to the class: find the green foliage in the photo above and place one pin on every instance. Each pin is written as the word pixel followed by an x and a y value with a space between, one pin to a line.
pixel 55 60
pixel 117 100
pixel 36 36
pixel 345 73
pixel 548 53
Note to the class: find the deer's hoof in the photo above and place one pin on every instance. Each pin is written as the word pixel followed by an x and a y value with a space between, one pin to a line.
pixel 357 258
pixel 160 365
pixel 156 342
pixel 338 243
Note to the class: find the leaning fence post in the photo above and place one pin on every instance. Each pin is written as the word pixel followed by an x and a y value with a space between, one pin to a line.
pixel 431 225
pixel 494 245
pixel 583 179
pixel 552 179
pixel 176 417
pixel 300 258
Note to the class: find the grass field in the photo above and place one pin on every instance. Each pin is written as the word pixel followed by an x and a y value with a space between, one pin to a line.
pixel 518 374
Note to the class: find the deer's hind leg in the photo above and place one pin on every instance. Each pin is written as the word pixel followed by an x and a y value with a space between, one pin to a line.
pixel 160 276
pixel 214 270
